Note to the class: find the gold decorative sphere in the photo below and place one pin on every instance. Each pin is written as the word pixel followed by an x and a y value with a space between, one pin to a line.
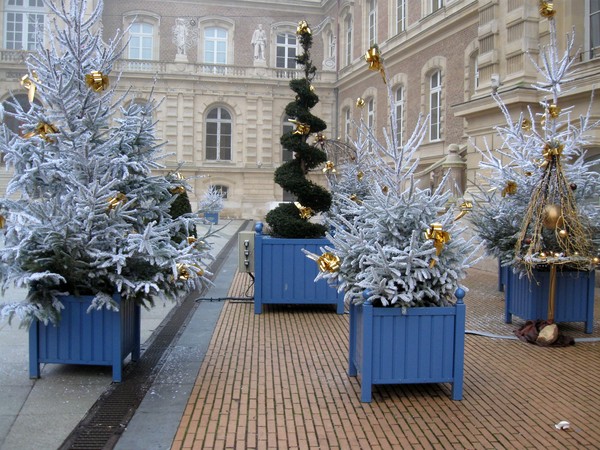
pixel 563 233
pixel 552 217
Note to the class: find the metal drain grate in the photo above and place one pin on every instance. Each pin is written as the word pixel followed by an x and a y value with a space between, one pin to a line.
pixel 104 423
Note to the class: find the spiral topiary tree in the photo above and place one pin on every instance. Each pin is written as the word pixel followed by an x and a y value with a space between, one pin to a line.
pixel 291 220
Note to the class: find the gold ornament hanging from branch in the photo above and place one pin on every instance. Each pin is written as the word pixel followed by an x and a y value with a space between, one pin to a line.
pixel 117 200
pixel 547 9
pixel 328 262
pixel 510 188
pixel 320 138
pixel 303 28
pixel 465 207
pixel 375 61
pixel 329 167
pixel 29 83
pixel 97 81
pixel 440 238
pixel 301 128
pixel 43 130
pixel 305 212
pixel 526 125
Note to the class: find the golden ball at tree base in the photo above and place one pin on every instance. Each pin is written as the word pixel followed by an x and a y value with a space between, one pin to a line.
pixel 552 217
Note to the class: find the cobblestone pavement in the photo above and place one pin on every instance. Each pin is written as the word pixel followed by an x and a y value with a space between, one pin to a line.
pixel 278 380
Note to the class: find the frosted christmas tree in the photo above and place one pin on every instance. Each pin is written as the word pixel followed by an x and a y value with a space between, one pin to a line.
pixel 542 208
pixel 394 243
pixel 84 213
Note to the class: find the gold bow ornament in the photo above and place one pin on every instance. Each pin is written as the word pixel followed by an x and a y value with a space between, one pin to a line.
pixel 320 138
pixel 328 262
pixel 117 200
pixel 43 130
pixel 465 207
pixel 303 28
pixel 374 60
pixel 547 9
pixel 440 238
pixel 29 83
pixel 552 150
pixel 304 211
pixel 510 188
pixel 301 128
pixel 329 167
pixel 97 81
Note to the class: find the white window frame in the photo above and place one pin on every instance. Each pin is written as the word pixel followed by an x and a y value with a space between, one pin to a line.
pixel 399 108
pixel 219 121
pixel 435 106
pixel 436 5
pixel 347 124
pixel 214 41
pixel 30 15
pixel 593 34
pixel 400 16
pixel 348 29
pixel 372 21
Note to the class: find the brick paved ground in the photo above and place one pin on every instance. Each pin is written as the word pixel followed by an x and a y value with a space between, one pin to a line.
pixel 278 380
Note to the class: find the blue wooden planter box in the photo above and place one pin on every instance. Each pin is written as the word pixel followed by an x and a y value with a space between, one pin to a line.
pixel 101 337
pixel 502 274
pixel 284 275
pixel 574 296
pixel 422 345
pixel 212 217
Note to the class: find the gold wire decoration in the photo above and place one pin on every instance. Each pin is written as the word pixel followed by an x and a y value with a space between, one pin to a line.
pixel 29 83
pixel 97 81
pixel 375 61
pixel 329 167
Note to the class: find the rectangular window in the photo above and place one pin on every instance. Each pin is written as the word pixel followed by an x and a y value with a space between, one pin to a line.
pixel 435 106
pixel 141 41
pixel 595 27
pixel 286 51
pixel 400 16
pixel 215 46
pixel 399 110
pixel 23 24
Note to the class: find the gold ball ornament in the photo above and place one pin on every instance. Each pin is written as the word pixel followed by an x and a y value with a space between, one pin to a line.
pixel 563 233
pixel 553 111
pixel 552 217
pixel 360 102
pixel 596 260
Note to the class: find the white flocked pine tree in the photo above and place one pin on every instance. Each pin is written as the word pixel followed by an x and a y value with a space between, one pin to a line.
pixel 396 242
pixel 84 212
pixel 538 204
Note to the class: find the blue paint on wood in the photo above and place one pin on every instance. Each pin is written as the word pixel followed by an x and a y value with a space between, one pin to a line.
pixel 212 217
pixel 574 298
pixel 420 345
pixel 284 275
pixel 101 337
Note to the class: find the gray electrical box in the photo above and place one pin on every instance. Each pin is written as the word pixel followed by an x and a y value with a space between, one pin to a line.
pixel 246 251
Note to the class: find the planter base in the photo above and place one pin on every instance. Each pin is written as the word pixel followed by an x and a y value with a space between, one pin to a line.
pixel 574 297
pixel 424 345
pixel 100 338
pixel 284 275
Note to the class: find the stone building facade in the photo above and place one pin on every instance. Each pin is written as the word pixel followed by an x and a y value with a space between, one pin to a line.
pixel 224 83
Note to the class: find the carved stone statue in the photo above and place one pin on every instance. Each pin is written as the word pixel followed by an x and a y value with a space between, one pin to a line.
pixel 259 39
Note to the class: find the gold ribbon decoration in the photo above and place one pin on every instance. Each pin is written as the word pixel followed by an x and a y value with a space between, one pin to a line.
pixel 547 9
pixel 440 238
pixel 526 124
pixel 191 240
pixel 374 60
pixel 355 199
pixel 552 150
pixel 117 200
pixel 303 28
pixel 305 211
pixel 301 128
pixel 43 130
pixel 510 188
pixel 328 262
pixel 177 190
pixel 360 175
pixel 360 102
pixel 329 167
pixel 29 83
pixel 465 207
pixel 182 272
pixel 2 221
pixel 96 80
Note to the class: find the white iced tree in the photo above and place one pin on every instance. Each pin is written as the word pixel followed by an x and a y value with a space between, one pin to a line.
pixel 84 212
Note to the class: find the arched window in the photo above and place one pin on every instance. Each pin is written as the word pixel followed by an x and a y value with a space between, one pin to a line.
pixel 347 124
pixel 348 23
pixel 399 111
pixel 435 106
pixel 23 23
pixel 215 45
pixel 224 190
pixel 141 41
pixel 286 51
pixel 218 134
